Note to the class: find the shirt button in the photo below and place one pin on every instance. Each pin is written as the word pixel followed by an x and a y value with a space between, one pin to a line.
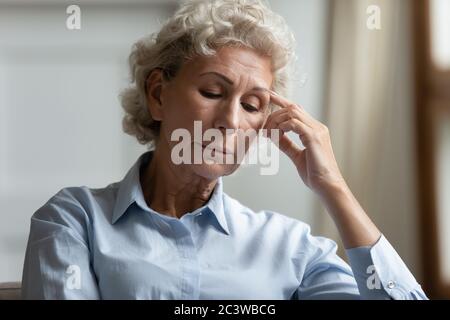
pixel 391 284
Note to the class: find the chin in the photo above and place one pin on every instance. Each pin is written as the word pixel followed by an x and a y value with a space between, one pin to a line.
pixel 213 171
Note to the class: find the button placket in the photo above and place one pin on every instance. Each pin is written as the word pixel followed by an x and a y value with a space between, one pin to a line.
pixel 189 265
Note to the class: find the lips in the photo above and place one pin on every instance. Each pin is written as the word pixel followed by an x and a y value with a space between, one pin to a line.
pixel 216 148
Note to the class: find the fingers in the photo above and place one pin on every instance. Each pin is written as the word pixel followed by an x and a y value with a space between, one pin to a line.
pixel 286 123
pixel 289 147
pixel 284 143
pixel 296 109
pixel 275 120
pixel 283 115
pixel 296 126
pixel 294 118
pixel 281 101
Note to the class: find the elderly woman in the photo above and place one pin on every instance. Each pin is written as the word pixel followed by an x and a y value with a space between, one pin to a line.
pixel 167 230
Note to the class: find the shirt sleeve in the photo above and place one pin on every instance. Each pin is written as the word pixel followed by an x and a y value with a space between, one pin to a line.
pixel 57 259
pixel 376 272
pixel 325 276
pixel 379 271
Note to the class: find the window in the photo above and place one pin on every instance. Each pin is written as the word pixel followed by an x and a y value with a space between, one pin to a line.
pixel 432 65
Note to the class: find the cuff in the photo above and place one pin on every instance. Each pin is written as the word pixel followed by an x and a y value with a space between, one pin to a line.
pixel 381 274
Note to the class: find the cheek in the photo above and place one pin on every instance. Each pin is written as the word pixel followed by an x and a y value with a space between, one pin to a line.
pixel 180 107
pixel 254 121
pixel 183 110
pixel 189 104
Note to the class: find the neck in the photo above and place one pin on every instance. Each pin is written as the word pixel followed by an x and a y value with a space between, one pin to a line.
pixel 173 190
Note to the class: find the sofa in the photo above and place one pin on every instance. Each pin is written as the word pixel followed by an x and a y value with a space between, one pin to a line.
pixel 10 290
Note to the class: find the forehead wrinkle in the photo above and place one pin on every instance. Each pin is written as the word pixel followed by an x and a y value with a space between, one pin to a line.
pixel 236 67
pixel 232 83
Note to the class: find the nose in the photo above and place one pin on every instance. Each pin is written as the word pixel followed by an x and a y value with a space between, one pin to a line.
pixel 228 115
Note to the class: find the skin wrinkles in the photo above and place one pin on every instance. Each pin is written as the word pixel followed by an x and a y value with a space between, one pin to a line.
pixel 175 190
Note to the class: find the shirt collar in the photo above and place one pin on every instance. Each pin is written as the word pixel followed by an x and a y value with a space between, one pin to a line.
pixel 130 191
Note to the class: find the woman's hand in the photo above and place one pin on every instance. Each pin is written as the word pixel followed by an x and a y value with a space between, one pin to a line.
pixel 315 163
pixel 318 169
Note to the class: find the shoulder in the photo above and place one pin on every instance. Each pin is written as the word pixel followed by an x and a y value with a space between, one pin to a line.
pixel 274 224
pixel 266 219
pixel 72 210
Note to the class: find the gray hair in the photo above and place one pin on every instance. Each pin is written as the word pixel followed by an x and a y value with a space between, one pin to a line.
pixel 199 27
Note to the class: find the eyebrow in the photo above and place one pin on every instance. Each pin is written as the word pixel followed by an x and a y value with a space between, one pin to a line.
pixel 228 80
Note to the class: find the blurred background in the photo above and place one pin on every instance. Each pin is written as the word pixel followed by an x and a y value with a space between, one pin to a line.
pixel 377 73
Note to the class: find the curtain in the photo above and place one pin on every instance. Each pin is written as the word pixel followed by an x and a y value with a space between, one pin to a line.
pixel 370 114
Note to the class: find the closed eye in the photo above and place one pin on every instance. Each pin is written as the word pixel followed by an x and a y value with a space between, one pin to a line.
pixel 249 107
pixel 210 95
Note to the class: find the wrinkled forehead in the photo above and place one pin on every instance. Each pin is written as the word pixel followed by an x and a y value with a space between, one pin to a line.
pixel 236 64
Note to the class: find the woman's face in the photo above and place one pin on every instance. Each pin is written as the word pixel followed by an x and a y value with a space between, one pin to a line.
pixel 227 91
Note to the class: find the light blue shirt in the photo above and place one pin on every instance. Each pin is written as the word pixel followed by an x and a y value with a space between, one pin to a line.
pixel 107 243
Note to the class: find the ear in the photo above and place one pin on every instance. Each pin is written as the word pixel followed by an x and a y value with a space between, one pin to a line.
pixel 154 85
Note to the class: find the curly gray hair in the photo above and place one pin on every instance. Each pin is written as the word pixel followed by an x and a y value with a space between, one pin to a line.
pixel 199 27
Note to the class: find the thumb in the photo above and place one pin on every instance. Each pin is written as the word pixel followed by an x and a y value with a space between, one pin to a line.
pixel 289 147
